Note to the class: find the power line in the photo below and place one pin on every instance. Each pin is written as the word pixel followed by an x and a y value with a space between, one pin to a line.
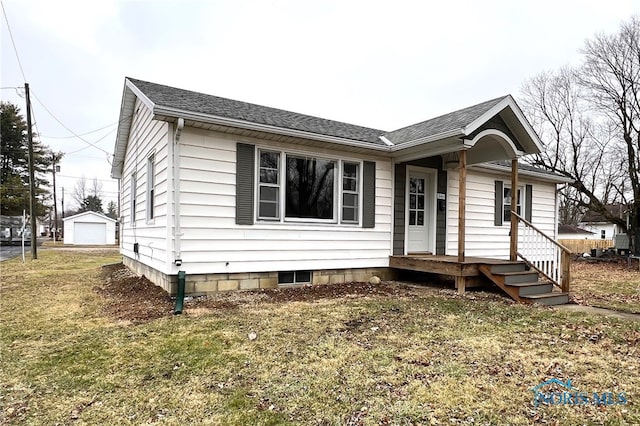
pixel 102 138
pixel 67 128
pixel 86 133
pixel 84 177
pixel 6 19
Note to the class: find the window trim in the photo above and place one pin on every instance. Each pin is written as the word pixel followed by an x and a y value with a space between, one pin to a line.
pixel 337 188
pixel 151 184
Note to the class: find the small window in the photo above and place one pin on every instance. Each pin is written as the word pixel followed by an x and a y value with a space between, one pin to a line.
pixel 506 203
pixel 350 188
pixel 294 277
pixel 269 185
pixel 603 234
pixel 151 183
pixel 133 190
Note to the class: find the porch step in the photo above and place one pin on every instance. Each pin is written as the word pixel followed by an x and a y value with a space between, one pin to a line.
pixel 510 278
pixel 523 285
pixel 550 298
pixel 508 267
pixel 526 289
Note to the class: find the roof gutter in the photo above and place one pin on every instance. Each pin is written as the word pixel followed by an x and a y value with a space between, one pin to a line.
pixel 537 175
pixel 230 122
pixel 427 139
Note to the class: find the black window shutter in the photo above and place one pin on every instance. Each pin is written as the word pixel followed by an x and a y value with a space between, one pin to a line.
pixel 528 202
pixel 498 203
pixel 369 194
pixel 245 169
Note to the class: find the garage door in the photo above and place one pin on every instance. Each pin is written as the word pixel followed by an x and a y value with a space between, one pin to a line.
pixel 90 233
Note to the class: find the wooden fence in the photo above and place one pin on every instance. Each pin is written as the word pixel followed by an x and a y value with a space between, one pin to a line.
pixel 585 246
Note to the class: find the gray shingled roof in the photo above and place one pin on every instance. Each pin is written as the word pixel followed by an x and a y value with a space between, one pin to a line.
pixel 444 123
pixel 617 210
pixel 187 100
pixel 571 229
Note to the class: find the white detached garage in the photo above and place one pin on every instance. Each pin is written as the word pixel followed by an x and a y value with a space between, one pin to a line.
pixel 89 228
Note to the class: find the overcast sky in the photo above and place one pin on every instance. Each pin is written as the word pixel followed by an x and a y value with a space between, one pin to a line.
pixel 379 64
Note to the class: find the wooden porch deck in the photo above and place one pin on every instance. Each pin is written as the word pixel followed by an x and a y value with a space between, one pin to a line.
pixel 466 273
pixel 515 278
pixel 445 265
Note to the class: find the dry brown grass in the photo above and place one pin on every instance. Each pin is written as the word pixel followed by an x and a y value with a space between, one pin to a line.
pixel 425 358
pixel 610 285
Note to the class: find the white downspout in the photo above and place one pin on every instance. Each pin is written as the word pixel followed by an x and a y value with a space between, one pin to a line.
pixel 176 192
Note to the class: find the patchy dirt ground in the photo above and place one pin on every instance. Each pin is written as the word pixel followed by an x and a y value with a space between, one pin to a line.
pixel 137 300
pixel 610 285
pixel 132 298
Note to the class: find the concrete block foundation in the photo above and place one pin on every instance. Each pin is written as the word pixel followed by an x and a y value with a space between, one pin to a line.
pixel 203 284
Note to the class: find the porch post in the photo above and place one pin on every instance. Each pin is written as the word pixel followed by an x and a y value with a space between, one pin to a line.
pixel 462 201
pixel 514 205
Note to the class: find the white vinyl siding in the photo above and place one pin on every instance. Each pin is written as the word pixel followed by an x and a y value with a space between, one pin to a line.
pixel 483 238
pixel 146 136
pixel 213 243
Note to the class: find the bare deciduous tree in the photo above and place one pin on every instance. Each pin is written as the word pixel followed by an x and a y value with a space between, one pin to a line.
pixel 589 119
pixel 82 190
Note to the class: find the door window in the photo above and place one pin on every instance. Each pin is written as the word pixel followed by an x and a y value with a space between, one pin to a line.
pixel 416 201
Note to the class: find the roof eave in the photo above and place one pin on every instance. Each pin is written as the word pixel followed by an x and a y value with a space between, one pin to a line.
pixel 507 101
pixel 531 173
pixel 427 139
pixel 129 93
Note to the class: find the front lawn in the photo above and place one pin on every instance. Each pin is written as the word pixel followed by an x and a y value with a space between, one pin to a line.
pixel 406 357
pixel 610 285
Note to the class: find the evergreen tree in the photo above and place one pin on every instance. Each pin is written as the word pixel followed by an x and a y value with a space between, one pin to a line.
pixel 112 210
pixel 14 164
pixel 91 203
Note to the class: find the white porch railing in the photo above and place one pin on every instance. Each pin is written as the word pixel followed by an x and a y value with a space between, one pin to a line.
pixel 543 253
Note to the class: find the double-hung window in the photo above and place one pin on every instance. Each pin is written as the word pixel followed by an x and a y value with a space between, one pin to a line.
pixel 503 206
pixel 269 185
pixel 506 204
pixel 350 192
pixel 151 183
pixel 133 191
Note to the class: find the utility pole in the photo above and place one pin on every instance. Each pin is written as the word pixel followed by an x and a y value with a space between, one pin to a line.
pixel 32 179
pixel 55 157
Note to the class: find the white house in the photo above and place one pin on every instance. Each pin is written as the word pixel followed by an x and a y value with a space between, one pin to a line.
pixel 601 227
pixel 244 196
pixel 570 232
pixel 89 228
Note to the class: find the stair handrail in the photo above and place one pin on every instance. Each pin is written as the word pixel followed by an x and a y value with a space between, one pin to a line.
pixel 563 279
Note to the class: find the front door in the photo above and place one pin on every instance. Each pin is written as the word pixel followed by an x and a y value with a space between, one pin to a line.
pixel 419 211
